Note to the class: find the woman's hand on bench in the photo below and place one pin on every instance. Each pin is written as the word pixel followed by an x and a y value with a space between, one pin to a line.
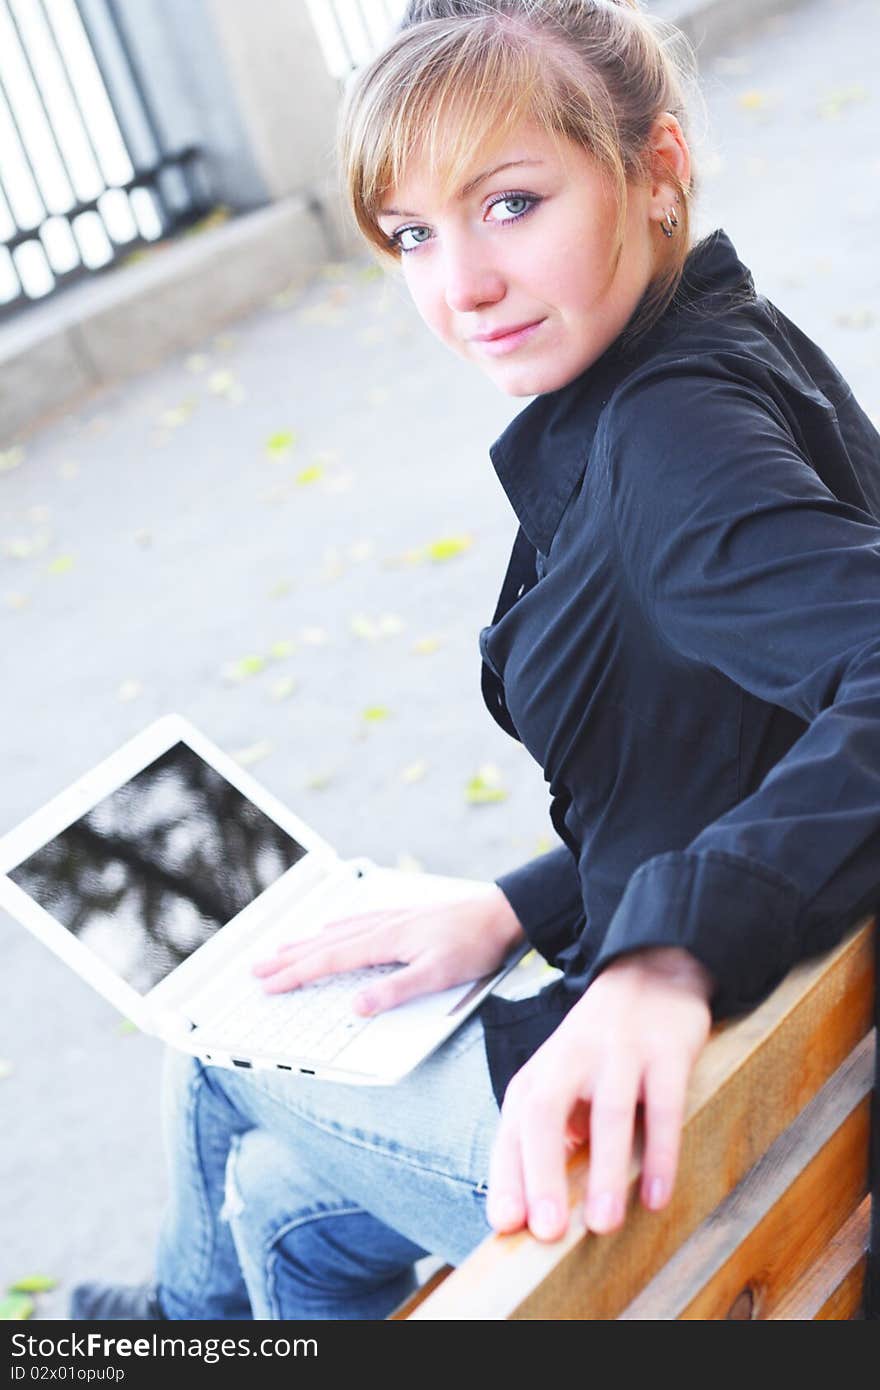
pixel 439 945
pixel 634 1035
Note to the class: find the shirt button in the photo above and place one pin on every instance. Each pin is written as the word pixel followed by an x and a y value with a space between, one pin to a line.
pixel 501 701
pixel 520 590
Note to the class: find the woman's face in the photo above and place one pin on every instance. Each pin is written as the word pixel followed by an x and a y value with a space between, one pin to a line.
pixel 526 247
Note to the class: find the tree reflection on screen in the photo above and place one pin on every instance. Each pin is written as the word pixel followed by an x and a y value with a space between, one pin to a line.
pixel 156 867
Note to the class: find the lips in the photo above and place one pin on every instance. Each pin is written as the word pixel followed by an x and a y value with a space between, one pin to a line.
pixel 507 340
pixel 503 332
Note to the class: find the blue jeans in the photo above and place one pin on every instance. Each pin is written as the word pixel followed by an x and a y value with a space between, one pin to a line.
pixel 296 1198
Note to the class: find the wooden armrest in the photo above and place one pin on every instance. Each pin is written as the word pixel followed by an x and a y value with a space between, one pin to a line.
pixel 752 1081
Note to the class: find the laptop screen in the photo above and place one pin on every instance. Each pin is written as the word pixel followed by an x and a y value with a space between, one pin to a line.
pixel 158 866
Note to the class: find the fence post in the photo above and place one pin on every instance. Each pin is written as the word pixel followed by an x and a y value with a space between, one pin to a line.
pixel 287 101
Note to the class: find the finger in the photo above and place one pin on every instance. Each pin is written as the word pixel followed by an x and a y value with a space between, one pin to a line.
pixel 665 1092
pixel 577 1130
pixel 544 1152
pixel 612 1119
pixel 335 931
pixel 333 960
pixel 506 1202
pixel 365 921
pixel 408 982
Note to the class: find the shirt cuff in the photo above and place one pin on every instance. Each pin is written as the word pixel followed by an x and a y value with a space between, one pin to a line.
pixel 545 894
pixel 737 918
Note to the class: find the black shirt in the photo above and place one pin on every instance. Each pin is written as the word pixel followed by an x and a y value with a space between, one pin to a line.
pixel 688 642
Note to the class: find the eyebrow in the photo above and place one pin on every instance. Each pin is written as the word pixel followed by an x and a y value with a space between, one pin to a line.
pixel 468 187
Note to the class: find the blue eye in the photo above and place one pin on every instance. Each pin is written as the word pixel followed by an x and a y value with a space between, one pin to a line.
pixel 512 198
pixel 529 199
pixel 404 231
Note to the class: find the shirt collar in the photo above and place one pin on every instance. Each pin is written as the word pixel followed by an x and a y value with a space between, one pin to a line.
pixel 542 454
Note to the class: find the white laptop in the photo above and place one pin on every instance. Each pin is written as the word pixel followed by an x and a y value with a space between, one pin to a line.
pixel 163 874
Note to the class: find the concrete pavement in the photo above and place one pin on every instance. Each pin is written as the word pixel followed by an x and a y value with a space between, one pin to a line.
pixel 166 531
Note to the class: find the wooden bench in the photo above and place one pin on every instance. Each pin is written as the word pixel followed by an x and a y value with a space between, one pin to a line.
pixel 770 1214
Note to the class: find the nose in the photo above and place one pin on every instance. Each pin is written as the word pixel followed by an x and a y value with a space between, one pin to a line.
pixel 471 279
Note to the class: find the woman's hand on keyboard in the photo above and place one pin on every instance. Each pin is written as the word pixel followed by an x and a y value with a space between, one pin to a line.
pixel 438 945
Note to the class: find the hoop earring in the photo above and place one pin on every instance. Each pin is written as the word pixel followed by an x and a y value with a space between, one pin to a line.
pixel 670 221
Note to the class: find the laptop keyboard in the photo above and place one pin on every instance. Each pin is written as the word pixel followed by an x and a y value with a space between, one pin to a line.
pixel 315 1021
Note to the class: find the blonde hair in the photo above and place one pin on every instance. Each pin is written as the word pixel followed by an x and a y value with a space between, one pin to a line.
pixel 459 75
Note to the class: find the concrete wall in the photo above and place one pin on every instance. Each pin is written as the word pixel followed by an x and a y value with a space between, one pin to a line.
pixel 247 82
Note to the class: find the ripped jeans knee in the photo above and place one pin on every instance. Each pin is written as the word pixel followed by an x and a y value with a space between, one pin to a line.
pixel 305 1246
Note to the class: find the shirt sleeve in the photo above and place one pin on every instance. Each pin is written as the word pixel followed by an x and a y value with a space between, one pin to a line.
pixel 546 896
pixel 741 557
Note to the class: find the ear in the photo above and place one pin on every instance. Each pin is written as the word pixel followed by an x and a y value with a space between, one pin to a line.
pixel 669 153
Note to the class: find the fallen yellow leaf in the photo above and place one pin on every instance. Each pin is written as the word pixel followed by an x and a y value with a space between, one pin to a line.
pixel 485 786
pixel 855 318
pixel 414 772
pixel 254 753
pixel 246 666
pixel 16 1307
pixel 279 446
pixel 325 313
pixel 361 550
pixel 752 100
pixel 311 474
pixel 18 548
pixel 832 105
pixel 374 713
pixel 177 415
pixel 11 458
pixel 223 383
pixel 33 1283
pixel 318 781
pixel 408 863
pixel 284 686
pixel 447 547
pixel 364 627
pixel 129 690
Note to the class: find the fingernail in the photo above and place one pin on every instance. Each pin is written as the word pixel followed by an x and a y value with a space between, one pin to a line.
pixel 365 1003
pixel 545 1221
pixel 504 1211
pixel 656 1193
pixel 603 1212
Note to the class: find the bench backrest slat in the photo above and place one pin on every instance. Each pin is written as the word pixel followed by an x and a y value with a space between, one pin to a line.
pixel 768 1231
pixel 754 1077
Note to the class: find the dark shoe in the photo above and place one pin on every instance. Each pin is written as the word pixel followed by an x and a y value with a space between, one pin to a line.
pixel 115 1303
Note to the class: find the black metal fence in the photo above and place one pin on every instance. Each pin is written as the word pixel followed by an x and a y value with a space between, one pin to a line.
pixel 86 174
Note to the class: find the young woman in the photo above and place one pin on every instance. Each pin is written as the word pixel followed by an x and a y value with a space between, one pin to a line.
pixel 687 640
